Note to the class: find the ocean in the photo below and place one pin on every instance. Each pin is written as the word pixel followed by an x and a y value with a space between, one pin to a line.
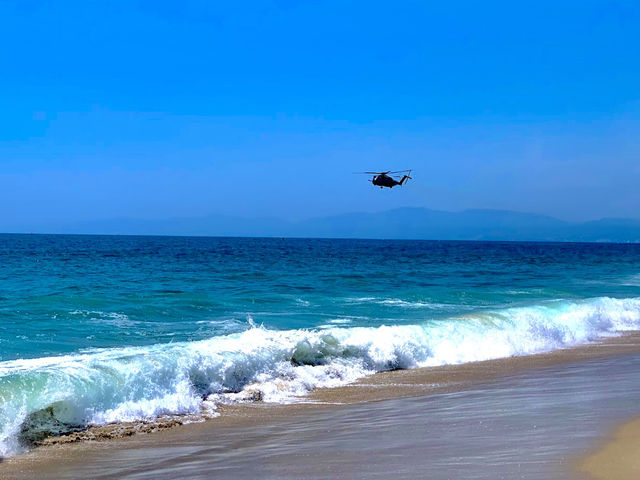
pixel 103 329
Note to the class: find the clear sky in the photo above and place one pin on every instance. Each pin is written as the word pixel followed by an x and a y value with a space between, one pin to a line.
pixel 157 109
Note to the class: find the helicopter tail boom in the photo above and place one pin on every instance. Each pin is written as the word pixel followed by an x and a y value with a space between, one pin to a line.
pixel 405 178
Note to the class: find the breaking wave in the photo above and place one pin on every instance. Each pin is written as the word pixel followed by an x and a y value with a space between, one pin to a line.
pixel 53 395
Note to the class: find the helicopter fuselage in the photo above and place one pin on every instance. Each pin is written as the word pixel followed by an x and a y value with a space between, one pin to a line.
pixel 383 180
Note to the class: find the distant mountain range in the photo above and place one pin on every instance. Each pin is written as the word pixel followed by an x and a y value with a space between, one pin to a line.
pixel 401 223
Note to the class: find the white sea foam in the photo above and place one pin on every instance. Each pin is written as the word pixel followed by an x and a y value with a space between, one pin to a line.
pixel 125 384
pixel 632 281
pixel 115 319
pixel 397 302
pixel 340 321
pixel 403 303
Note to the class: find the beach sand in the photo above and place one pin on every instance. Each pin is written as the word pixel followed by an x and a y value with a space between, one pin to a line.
pixel 619 458
pixel 524 417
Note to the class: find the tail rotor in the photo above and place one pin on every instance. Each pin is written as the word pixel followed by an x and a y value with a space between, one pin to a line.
pixel 405 178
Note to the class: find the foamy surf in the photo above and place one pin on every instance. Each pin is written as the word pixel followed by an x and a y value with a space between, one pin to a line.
pixel 401 303
pixel 53 395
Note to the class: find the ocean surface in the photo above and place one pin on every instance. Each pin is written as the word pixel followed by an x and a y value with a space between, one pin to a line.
pixel 100 329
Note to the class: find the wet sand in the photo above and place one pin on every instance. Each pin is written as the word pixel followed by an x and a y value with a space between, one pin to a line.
pixel 527 417
pixel 619 458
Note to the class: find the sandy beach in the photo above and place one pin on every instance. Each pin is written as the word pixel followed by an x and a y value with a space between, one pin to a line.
pixel 533 416
pixel 618 458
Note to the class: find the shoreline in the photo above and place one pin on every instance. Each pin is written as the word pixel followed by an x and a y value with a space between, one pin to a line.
pixel 380 386
pixel 450 378
pixel 61 453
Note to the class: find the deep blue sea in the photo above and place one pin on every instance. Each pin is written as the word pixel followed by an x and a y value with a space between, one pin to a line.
pixel 99 329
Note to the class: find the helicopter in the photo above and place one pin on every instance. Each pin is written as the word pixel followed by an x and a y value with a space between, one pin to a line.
pixel 385 179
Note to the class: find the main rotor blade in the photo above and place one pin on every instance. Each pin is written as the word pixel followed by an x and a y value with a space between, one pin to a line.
pixel 400 171
pixel 370 173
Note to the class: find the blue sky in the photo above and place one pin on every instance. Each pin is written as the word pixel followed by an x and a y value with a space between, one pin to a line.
pixel 160 109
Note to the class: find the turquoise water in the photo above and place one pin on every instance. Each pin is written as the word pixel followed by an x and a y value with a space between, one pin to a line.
pixel 97 329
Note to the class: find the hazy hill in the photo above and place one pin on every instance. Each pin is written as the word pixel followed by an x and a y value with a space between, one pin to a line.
pixel 402 223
